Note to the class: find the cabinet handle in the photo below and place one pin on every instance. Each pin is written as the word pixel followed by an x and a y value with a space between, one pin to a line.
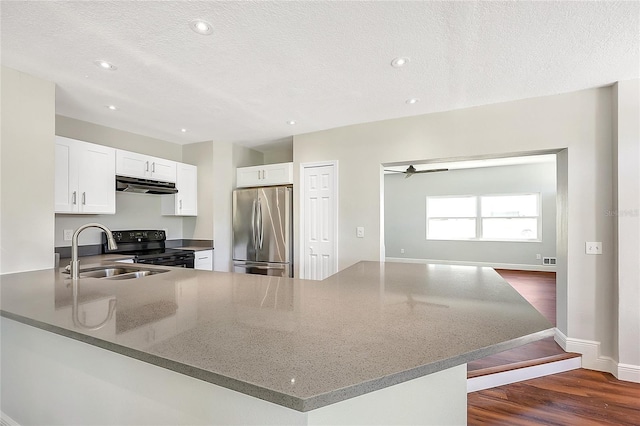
pixel 84 198
pixel 153 167
pixel 180 204
pixel 74 198
pixel 146 166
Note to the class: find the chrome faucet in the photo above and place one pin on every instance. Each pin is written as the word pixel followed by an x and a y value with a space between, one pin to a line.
pixel 74 266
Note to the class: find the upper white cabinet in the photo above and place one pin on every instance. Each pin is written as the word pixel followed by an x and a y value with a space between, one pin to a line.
pixel 267 175
pixel 185 202
pixel 144 166
pixel 84 177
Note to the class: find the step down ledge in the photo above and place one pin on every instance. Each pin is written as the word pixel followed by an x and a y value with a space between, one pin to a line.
pixel 518 372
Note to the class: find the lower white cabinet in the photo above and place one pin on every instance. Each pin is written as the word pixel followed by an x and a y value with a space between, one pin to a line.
pixel 204 260
pixel 84 177
pixel 185 202
pixel 267 175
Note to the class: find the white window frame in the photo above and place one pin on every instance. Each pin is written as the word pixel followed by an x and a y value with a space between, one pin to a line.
pixel 479 218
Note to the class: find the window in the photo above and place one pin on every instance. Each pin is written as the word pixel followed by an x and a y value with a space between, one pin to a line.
pixel 451 218
pixel 513 217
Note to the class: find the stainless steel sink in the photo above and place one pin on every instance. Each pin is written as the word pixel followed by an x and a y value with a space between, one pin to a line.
pixel 118 272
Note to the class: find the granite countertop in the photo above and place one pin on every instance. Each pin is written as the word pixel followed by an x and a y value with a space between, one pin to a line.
pixel 298 343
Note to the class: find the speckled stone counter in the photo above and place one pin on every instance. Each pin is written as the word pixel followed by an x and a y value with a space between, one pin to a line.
pixel 301 344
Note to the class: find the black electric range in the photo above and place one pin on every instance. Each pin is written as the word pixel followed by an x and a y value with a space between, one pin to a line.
pixel 149 247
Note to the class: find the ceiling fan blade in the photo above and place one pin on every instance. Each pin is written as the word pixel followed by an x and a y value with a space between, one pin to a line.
pixel 432 171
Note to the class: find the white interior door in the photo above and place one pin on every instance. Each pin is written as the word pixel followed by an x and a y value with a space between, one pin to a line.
pixel 320 226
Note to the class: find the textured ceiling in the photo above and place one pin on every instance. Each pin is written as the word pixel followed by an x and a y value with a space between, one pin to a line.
pixel 323 64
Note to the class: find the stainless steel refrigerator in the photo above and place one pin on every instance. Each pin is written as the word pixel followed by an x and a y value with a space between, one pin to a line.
pixel 263 231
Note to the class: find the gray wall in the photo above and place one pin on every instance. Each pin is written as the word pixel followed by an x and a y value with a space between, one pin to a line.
pixel 580 122
pixel 405 213
pixel 627 218
pixel 107 136
pixel 201 226
pixel 26 172
pixel 226 158
pixel 133 211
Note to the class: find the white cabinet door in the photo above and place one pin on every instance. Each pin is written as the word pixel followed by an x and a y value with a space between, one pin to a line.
pixel 267 175
pixel 204 260
pixel 66 177
pixel 84 177
pixel 248 176
pixel 132 164
pixel 143 166
pixel 162 169
pixel 185 202
pixel 278 174
pixel 187 184
pixel 96 186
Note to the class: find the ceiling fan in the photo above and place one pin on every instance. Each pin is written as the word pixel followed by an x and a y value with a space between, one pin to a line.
pixel 412 171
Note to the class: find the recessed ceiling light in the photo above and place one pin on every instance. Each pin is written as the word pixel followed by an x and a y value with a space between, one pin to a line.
pixel 400 62
pixel 201 27
pixel 413 101
pixel 112 107
pixel 183 130
pixel 291 122
pixel 105 65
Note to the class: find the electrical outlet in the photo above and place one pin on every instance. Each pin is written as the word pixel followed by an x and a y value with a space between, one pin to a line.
pixel 68 234
pixel 360 232
pixel 538 256
pixel 593 247
pixel 401 251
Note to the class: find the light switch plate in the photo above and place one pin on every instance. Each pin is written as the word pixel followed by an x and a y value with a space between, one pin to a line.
pixel 360 232
pixel 593 247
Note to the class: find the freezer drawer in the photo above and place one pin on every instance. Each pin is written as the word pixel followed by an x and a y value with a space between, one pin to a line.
pixel 261 268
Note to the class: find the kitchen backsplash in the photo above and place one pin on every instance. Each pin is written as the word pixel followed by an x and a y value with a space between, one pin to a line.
pixel 133 211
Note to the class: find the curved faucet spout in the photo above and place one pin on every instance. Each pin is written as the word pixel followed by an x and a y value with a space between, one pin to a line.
pixel 74 266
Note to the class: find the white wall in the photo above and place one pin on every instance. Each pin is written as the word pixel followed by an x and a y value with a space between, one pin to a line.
pixel 405 214
pixel 26 172
pixel 133 211
pixel 627 217
pixel 581 122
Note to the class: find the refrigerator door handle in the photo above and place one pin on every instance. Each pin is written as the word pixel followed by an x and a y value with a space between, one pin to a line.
pixel 253 225
pixel 260 226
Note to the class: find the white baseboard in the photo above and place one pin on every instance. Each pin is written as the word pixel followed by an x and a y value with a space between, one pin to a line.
pixel 7 421
pixel 513 266
pixel 628 372
pixel 513 376
pixel 593 360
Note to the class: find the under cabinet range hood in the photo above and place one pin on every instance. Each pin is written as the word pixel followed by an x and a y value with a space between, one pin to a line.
pixel 144 186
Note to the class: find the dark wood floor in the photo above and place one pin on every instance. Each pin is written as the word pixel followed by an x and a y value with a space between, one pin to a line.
pixel 539 288
pixel 577 397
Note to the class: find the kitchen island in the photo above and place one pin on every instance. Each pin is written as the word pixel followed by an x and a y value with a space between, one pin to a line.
pixel 374 343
